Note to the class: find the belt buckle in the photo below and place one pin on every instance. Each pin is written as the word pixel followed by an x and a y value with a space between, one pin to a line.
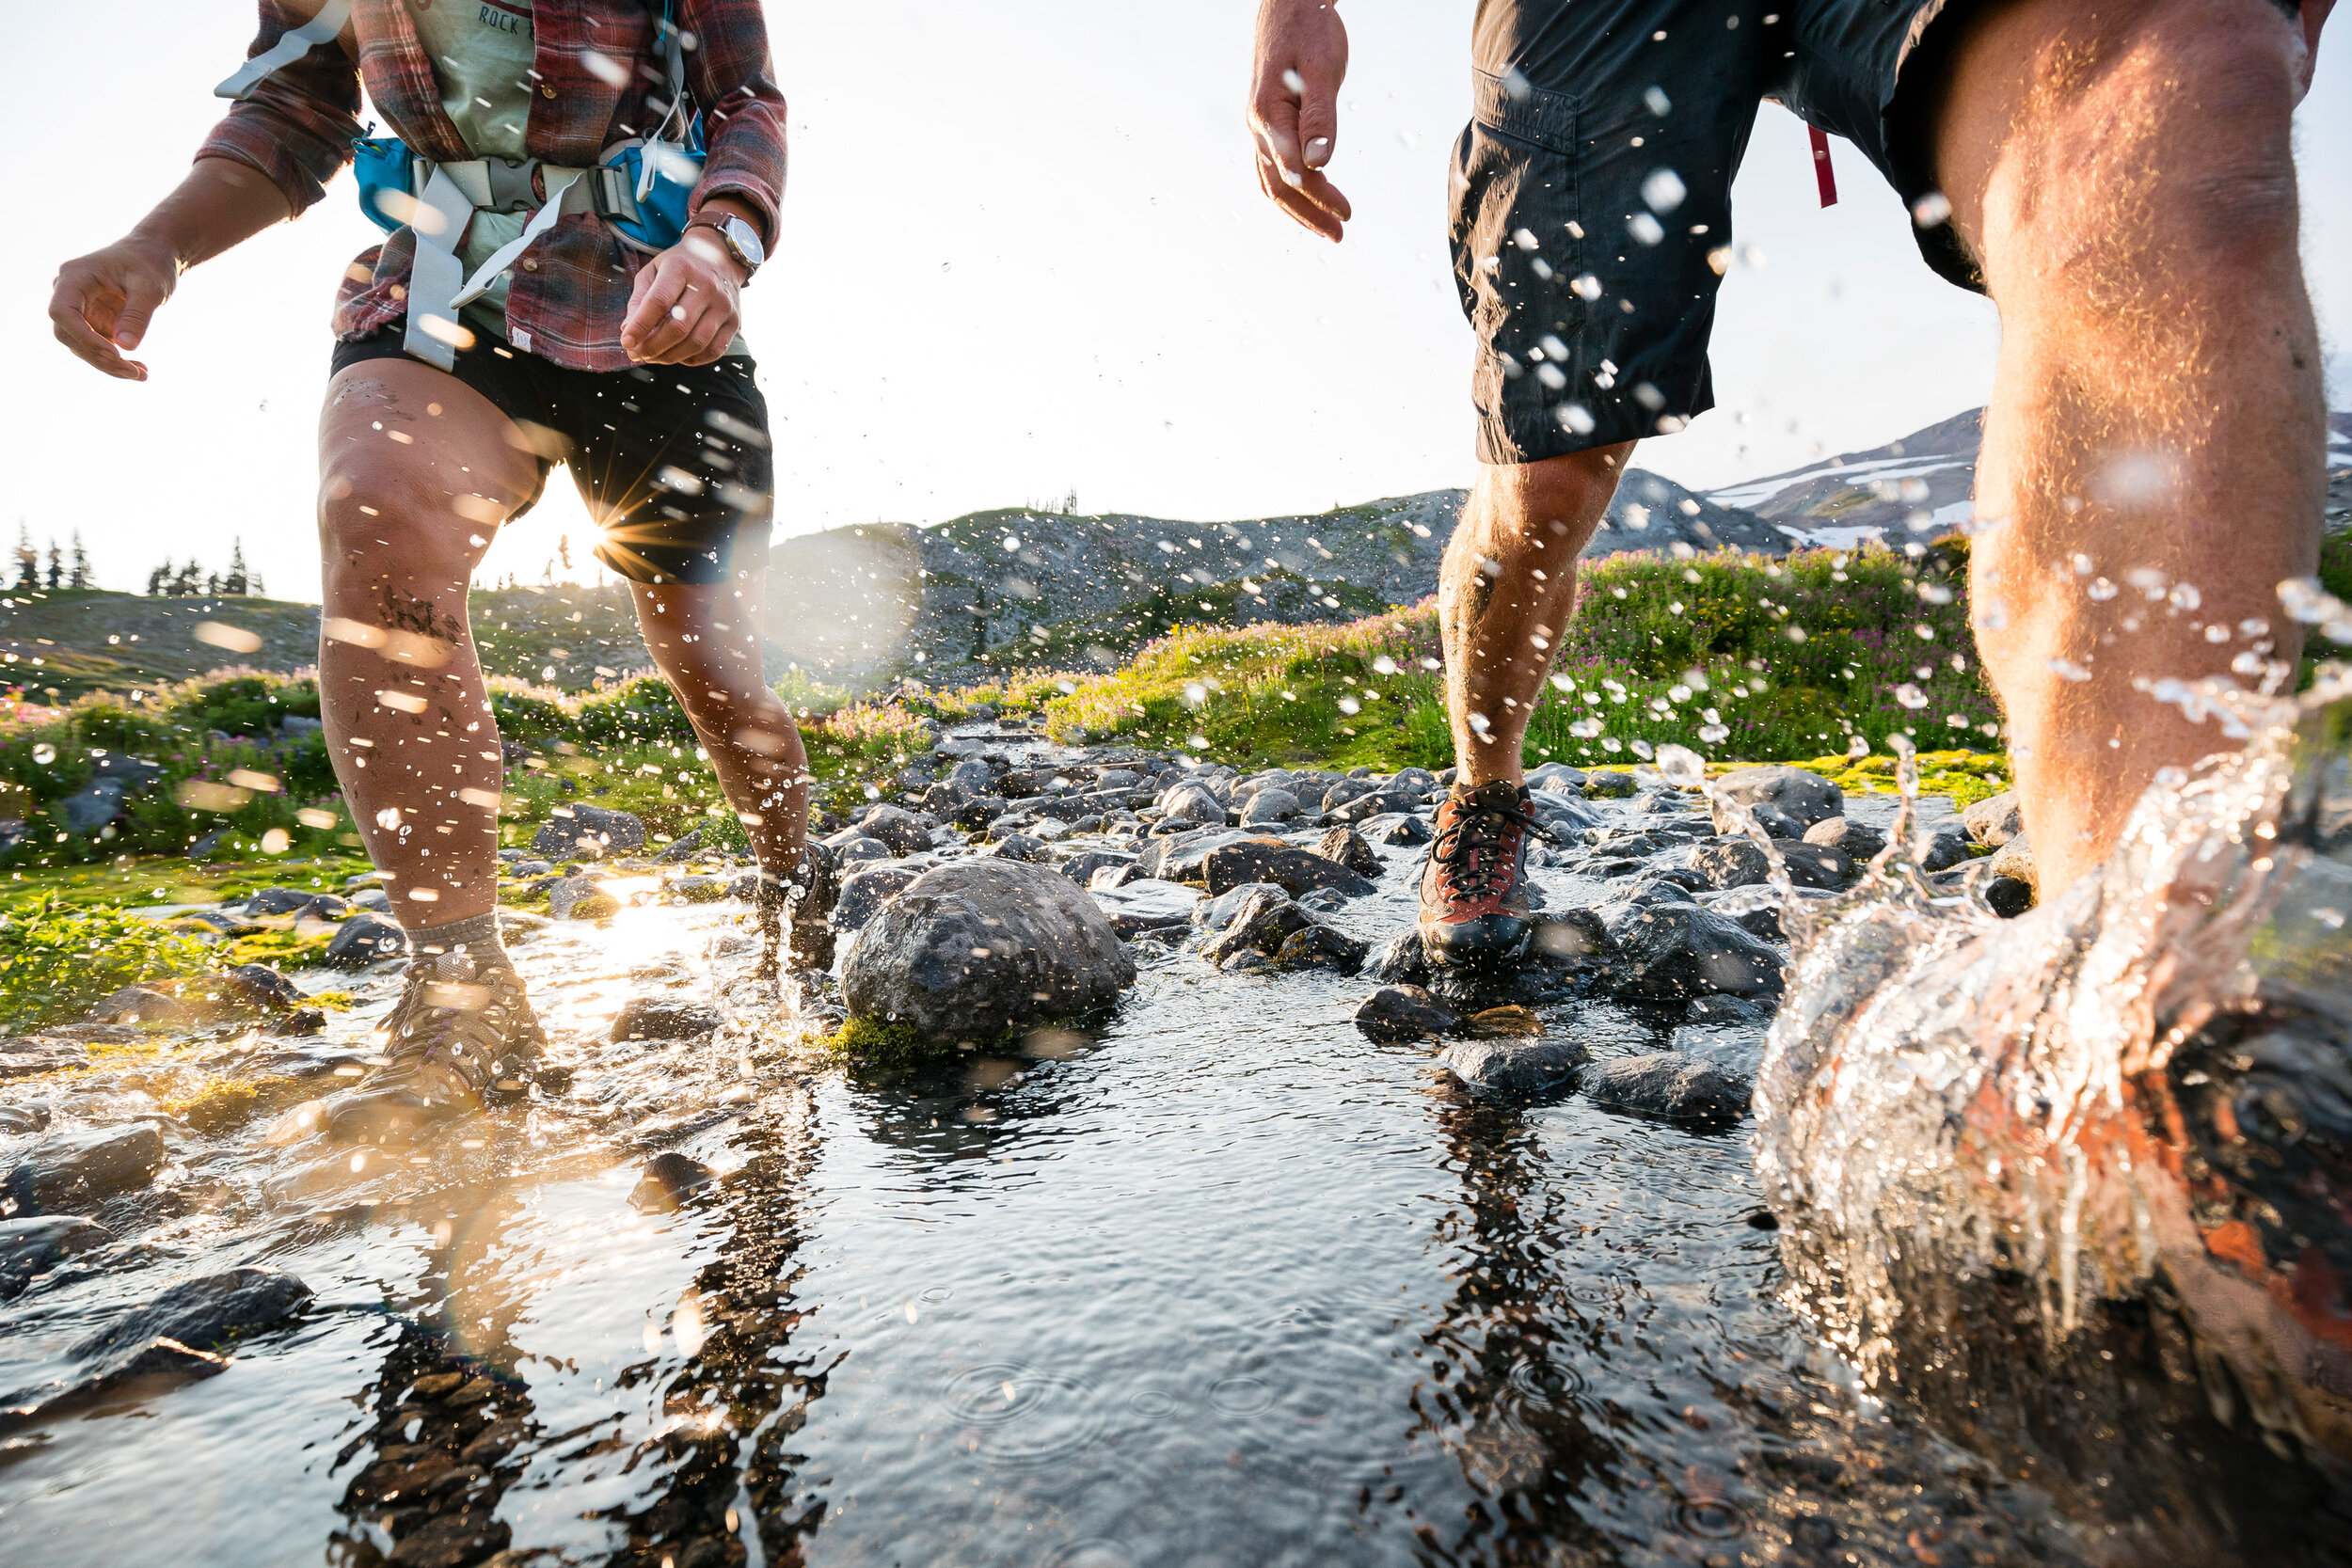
pixel 514 183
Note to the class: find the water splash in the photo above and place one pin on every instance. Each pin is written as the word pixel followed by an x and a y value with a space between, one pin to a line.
pixel 2140 1092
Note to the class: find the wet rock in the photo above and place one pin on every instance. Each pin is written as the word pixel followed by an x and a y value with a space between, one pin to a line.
pixel 1080 868
pixel 1395 828
pixel 979 947
pixel 1183 857
pixel 31 1117
pixel 853 846
pixel 1395 1014
pixel 1857 841
pixel 669 1180
pixel 1803 798
pixel 1146 906
pixel 1341 791
pixel 365 940
pixel 208 1312
pixel 374 900
pixel 1191 805
pixel 901 830
pixel 1286 865
pixel 262 988
pixel 663 1017
pixel 580 898
pixel 1740 862
pixel 1320 947
pixel 1514 1066
pixel 1270 806
pixel 1347 846
pixel 1754 909
pixel 2007 897
pixel 1018 847
pixel 699 890
pixel 1994 820
pixel 979 812
pixel 1670 951
pixel 279 900
pixel 1556 778
pixel 576 831
pixel 864 890
pixel 1941 849
pixel 684 848
pixel 1609 785
pixel 96 805
pixel 1569 937
pixel 972 777
pixel 1668 1084
pixel 36 1244
pixel 1216 914
pixel 1115 875
pixel 22 1058
pixel 1380 803
pixel 71 1171
pixel 2015 860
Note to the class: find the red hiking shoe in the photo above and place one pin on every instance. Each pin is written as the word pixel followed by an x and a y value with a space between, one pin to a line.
pixel 1474 908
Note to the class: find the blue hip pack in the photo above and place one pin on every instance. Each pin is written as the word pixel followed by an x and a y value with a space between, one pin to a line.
pixel 642 189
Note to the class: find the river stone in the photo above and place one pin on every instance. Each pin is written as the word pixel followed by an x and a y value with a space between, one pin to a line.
pixel 1672 951
pixel 24 1117
pixel 1080 868
pixel 1380 803
pixel 23 1057
pixel 1146 906
pixel 1320 947
pixel 1267 919
pixel 1215 914
pixel 1941 849
pixel 699 890
pixel 365 939
pixel 1183 857
pixel 1857 841
pixel 904 832
pixel 1347 846
pixel 1804 798
pixel 1395 828
pixel 971 777
pixel 977 948
pixel 1610 784
pixel 1740 861
pixel 580 898
pixel 207 1312
pixel 1191 805
pixel 1286 865
pixel 662 1018
pixel 1671 1084
pixel 2007 897
pixel 1514 1066
pixel 1754 909
pixel 1018 847
pixel 864 890
pixel 279 900
pixel 1995 819
pixel 1557 778
pixel 2015 859
pixel 37 1243
pixel 668 1180
pixel 67 1171
pixel 573 831
pixel 1269 806
pixel 979 812
pixel 1395 1014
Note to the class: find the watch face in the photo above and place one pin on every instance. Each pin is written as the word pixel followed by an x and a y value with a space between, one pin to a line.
pixel 746 242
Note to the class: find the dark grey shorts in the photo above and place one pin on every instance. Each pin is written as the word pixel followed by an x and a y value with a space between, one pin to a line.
pixel 1592 191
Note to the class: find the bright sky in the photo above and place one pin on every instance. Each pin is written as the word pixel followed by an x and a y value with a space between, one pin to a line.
pixel 1023 255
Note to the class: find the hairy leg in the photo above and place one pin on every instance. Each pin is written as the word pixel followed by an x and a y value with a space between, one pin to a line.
pixel 704 639
pixel 415 474
pixel 2154 452
pixel 1507 588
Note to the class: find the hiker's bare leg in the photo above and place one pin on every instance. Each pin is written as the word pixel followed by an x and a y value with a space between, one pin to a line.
pixel 407 719
pixel 1506 592
pixel 704 639
pixel 2123 169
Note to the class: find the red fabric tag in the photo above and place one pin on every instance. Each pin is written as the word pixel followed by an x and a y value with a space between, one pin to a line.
pixel 1822 175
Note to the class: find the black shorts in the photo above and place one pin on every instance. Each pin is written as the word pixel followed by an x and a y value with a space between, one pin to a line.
pixel 1592 191
pixel 673 460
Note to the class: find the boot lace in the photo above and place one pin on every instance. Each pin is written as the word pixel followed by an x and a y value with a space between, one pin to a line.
pixel 1470 849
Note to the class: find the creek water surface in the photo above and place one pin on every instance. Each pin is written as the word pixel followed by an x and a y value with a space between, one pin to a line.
pixel 1220 1282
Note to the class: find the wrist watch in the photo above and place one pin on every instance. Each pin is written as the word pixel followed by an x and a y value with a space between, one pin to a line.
pixel 740 238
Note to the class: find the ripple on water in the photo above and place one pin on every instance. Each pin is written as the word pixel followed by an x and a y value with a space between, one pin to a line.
pixel 1241 1395
pixel 1023 1415
pixel 1710 1519
pixel 1091 1554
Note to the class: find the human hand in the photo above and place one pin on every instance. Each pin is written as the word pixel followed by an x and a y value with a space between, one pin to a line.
pixel 686 305
pixel 1294 109
pixel 102 302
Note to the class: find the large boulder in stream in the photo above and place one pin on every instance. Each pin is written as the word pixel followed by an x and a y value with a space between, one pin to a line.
pixel 1799 798
pixel 71 1171
pixel 978 948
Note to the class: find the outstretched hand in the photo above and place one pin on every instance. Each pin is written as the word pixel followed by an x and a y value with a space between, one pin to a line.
pixel 102 303
pixel 686 304
pixel 1294 109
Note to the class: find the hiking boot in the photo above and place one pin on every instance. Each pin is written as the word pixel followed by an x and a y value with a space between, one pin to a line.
pixel 802 905
pixel 458 1037
pixel 1474 908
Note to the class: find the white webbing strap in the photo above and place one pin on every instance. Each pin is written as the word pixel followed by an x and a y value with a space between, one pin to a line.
pixel 560 183
pixel 435 277
pixel 291 47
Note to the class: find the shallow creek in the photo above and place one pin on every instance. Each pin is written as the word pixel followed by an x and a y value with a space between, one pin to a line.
pixel 1221 1282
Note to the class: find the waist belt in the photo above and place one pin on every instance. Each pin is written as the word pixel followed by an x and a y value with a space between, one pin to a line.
pixel 449 195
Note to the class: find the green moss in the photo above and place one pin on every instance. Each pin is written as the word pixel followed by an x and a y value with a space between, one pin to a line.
pixel 57 960
pixel 882 1043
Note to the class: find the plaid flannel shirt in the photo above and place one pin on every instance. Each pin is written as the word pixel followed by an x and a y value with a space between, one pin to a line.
pixel 567 299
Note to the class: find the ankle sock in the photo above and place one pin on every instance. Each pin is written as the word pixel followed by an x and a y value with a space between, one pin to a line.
pixel 478 937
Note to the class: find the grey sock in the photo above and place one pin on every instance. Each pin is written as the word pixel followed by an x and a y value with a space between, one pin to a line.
pixel 478 937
